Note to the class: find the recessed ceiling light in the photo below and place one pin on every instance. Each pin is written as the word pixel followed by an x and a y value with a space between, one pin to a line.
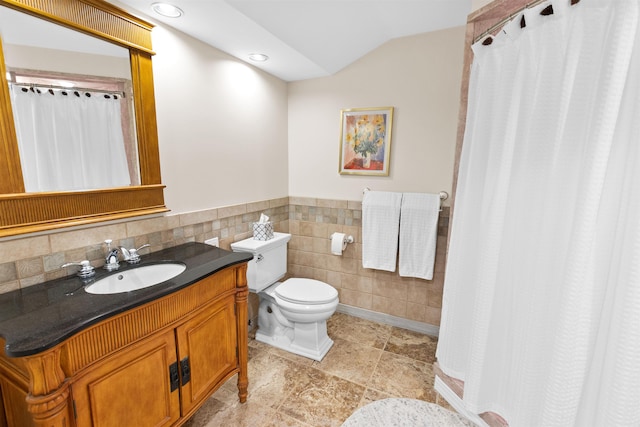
pixel 166 9
pixel 258 57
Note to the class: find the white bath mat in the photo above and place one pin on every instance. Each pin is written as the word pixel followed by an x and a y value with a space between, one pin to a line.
pixel 404 413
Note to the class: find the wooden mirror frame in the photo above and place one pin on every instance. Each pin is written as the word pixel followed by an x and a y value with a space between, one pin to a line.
pixel 22 212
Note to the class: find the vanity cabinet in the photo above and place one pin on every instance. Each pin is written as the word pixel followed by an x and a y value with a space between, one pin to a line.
pixel 131 387
pixel 207 362
pixel 153 365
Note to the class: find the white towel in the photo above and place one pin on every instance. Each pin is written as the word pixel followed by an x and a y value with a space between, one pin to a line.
pixel 380 224
pixel 418 234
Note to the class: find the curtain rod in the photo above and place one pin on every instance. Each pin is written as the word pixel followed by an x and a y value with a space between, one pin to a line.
pixel 70 89
pixel 507 19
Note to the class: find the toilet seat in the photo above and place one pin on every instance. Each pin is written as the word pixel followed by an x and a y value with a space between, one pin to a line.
pixel 306 291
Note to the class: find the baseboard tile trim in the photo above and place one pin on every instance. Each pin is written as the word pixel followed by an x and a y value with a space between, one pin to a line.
pixel 388 319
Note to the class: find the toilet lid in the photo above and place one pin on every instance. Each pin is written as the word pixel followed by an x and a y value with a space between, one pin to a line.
pixel 306 291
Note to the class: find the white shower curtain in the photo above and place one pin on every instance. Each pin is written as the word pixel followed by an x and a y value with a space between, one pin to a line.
pixel 69 142
pixel 541 307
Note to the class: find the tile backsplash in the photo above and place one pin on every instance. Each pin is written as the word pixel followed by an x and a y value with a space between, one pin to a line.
pixel 31 260
pixel 311 223
pixel 35 259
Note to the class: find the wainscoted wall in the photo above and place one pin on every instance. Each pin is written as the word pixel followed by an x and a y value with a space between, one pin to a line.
pixel 31 260
pixel 311 223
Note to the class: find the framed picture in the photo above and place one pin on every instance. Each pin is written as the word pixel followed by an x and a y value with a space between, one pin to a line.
pixel 365 141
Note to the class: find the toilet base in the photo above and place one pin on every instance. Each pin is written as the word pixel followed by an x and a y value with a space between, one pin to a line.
pixel 304 339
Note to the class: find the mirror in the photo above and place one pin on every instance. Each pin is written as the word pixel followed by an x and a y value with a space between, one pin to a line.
pixel 57 74
pixel 105 31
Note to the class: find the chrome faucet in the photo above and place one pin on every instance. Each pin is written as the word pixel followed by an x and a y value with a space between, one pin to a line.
pixel 111 260
pixel 131 255
pixel 86 269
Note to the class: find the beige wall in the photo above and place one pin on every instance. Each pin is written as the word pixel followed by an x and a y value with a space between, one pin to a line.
pixel 420 77
pixel 235 142
pixel 222 126
pixel 34 58
pixel 36 259
pixel 406 301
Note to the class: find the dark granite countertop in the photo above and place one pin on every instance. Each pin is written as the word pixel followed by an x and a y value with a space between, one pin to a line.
pixel 39 317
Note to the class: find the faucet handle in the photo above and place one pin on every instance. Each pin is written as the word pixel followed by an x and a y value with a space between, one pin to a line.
pixel 126 254
pixel 132 256
pixel 86 269
pixel 143 246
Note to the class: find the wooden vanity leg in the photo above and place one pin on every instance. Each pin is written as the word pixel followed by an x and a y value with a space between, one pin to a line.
pixel 52 410
pixel 48 399
pixel 242 296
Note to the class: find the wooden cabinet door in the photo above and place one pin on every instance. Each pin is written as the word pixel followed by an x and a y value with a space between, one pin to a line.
pixel 207 348
pixel 14 405
pixel 130 388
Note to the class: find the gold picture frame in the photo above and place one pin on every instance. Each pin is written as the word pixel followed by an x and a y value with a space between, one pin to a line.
pixel 365 141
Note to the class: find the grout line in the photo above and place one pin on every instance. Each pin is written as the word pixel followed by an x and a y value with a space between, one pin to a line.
pixel 363 382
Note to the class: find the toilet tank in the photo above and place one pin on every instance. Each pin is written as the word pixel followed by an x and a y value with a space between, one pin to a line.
pixel 269 263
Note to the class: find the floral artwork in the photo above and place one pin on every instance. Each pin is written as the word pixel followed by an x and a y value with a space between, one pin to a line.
pixel 365 141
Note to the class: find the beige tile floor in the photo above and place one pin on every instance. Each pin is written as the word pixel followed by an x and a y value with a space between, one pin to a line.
pixel 369 361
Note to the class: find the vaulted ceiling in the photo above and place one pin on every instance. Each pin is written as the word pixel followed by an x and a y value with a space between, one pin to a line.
pixel 305 38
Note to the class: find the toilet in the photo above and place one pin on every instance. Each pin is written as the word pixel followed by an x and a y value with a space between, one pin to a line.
pixel 293 314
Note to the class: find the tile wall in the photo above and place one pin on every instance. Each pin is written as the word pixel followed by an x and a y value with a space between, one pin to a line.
pixel 311 223
pixel 36 259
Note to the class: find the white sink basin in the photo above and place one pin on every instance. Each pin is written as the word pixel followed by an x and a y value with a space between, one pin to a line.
pixel 136 278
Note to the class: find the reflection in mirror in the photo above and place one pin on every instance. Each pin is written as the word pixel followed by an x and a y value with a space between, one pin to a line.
pixel 28 212
pixel 72 100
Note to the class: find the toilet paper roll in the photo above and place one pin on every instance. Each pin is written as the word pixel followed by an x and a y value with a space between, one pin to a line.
pixel 338 243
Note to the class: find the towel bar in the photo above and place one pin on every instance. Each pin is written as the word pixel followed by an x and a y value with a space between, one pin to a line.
pixel 443 194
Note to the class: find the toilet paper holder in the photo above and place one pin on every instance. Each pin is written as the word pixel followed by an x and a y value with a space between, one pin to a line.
pixel 348 239
pixel 339 242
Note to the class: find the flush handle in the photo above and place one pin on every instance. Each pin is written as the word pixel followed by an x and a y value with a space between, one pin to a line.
pixel 259 258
